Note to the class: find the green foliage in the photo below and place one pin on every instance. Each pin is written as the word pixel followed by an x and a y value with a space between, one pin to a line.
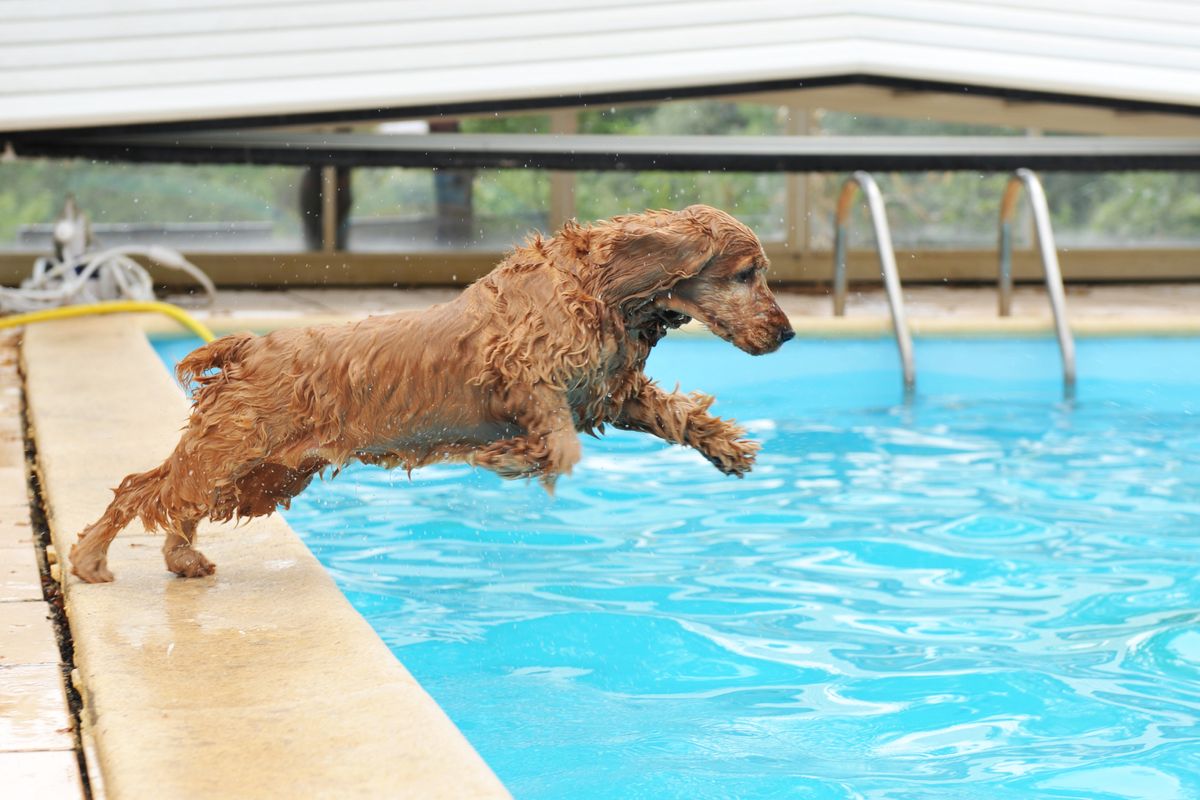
pixel 382 193
pixel 690 118
pixel 756 199
pixel 1109 209
pixel 511 192
pixel 497 123
pixel 838 123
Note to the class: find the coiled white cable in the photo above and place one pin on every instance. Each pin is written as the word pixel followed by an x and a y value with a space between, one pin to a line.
pixel 110 274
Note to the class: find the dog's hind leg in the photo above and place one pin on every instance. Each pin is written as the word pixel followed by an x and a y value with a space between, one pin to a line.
pixel 549 448
pixel 89 556
pixel 259 491
pixel 136 496
pixel 181 554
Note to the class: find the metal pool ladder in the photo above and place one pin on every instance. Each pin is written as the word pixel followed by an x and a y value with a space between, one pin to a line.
pixel 1050 270
pixel 887 265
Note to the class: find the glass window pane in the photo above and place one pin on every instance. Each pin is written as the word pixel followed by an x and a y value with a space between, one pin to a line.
pixel 1124 209
pixel 759 200
pixel 843 123
pixel 195 208
pixel 959 210
pixel 426 209
pixel 688 118
pixel 925 210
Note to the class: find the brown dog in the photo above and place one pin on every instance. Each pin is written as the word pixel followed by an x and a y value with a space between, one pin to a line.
pixel 551 342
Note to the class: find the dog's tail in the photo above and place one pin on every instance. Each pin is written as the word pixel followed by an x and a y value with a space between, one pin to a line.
pixel 216 355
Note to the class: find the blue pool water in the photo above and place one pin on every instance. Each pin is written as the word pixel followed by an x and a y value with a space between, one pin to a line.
pixel 988 593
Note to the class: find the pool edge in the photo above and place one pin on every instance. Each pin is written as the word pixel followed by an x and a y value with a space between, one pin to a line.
pixel 263 677
pixel 806 326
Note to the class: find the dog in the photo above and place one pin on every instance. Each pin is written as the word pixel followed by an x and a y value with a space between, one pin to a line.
pixel 551 343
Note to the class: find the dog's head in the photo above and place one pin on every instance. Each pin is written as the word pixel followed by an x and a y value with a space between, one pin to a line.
pixel 700 263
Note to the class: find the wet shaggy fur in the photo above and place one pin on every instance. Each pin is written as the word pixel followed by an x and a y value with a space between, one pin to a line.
pixel 550 343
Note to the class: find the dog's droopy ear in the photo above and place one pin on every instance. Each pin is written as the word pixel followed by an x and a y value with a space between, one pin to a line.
pixel 638 259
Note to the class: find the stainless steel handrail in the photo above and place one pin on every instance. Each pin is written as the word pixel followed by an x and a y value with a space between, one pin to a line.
pixel 1050 268
pixel 887 264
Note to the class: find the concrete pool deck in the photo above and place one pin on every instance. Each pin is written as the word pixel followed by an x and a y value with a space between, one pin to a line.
pixel 263 681
pixel 260 681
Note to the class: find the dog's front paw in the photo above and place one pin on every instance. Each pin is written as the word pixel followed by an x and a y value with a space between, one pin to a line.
pixel 735 457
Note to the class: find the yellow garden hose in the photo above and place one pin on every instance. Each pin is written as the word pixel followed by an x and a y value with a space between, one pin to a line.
pixel 115 307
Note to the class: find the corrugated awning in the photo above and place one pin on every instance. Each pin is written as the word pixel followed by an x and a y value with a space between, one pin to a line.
pixel 83 64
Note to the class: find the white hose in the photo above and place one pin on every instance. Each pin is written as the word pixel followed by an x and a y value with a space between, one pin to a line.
pixel 90 278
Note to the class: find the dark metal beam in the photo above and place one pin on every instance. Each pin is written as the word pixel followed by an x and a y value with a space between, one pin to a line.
pixel 604 99
pixel 672 153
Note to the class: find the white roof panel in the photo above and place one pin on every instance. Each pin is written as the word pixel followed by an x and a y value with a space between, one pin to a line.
pixel 78 63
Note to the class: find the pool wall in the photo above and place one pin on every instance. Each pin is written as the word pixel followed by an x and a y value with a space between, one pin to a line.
pixel 259 681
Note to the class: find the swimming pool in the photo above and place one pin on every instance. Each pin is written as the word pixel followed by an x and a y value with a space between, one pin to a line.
pixel 986 593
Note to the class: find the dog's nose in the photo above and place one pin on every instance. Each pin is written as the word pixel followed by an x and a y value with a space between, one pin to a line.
pixel 786 335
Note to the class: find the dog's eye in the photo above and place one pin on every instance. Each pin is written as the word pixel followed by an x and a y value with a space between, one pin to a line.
pixel 746 275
